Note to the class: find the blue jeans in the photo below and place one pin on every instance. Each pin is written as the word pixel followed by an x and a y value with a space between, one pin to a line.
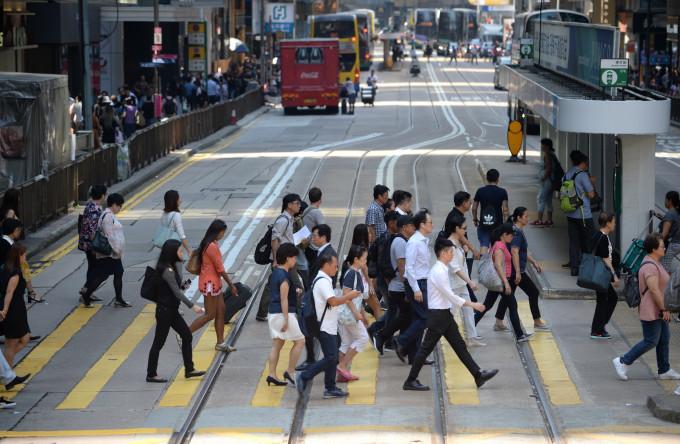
pixel 657 334
pixel 329 363
pixel 413 336
pixel 545 194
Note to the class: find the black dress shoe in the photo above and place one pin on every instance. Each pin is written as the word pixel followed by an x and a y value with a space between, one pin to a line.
pixel 193 374
pixel 378 343
pixel 574 273
pixel 401 353
pixel 261 318
pixel 122 303
pixel 304 366
pixel 415 385
pixel 17 380
pixel 427 362
pixel 567 265
pixel 485 376
pixel 159 380
pixel 34 338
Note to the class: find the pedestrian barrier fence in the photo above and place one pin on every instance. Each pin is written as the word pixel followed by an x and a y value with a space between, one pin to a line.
pixel 45 197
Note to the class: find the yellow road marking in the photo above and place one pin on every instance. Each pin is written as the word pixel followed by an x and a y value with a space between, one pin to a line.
pixel 106 432
pixel 365 428
pixel 477 434
pixel 100 373
pixel 460 383
pixel 365 366
pixel 270 396
pixel 662 430
pixel 550 363
pixel 140 196
pixel 220 430
pixel 55 341
pixel 182 389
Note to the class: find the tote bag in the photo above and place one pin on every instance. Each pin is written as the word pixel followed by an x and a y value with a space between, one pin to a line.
pixel 593 273
pixel 488 276
pixel 192 265
pixel 165 233
pixel 100 243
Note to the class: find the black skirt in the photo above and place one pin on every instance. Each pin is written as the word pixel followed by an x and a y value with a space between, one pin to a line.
pixel 15 325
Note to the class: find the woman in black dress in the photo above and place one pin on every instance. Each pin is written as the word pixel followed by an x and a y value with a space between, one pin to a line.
pixel 13 285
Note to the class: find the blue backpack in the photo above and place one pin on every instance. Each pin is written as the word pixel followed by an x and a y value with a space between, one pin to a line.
pixel 309 324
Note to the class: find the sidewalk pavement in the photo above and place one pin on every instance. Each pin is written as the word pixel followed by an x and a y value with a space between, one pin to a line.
pixel 550 247
pixel 65 225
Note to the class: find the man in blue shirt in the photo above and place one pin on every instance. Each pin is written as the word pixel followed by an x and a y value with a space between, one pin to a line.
pixel 581 228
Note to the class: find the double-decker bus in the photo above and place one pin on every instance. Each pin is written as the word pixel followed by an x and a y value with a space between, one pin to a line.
pixel 447 31
pixel 371 22
pixel 364 40
pixel 466 22
pixel 344 28
pixel 425 26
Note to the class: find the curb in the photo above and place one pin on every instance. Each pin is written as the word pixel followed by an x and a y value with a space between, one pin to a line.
pixel 68 223
pixel 665 407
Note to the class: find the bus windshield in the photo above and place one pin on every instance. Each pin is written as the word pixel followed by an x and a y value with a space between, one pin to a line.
pixel 446 27
pixel 336 29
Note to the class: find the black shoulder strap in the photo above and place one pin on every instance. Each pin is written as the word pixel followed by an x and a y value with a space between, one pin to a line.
pixel 638 275
pixel 598 243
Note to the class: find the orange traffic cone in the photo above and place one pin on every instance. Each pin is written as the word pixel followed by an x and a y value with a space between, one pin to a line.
pixel 233 116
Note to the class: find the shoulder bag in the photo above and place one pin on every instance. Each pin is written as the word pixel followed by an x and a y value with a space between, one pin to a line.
pixel 193 266
pixel 488 276
pixel 164 233
pixel 593 273
pixel 100 243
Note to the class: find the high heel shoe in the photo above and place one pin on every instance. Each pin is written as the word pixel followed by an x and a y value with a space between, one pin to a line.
pixel 286 375
pixel 275 381
pixel 31 298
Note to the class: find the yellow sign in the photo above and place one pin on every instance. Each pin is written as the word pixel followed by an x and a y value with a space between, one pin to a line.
pixel 196 52
pixel 196 27
pixel 515 136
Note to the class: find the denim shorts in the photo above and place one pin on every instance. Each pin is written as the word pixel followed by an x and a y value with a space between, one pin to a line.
pixel 484 237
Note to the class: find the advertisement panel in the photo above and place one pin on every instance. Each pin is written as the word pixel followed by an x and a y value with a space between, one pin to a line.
pixel 575 49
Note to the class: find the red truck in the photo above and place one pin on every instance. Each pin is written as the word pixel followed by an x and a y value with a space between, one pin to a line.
pixel 309 74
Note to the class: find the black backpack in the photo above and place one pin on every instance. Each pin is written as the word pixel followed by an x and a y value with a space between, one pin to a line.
pixel 557 173
pixel 310 325
pixel 149 290
pixel 387 271
pixel 372 259
pixel 264 248
pixel 489 219
pixel 169 107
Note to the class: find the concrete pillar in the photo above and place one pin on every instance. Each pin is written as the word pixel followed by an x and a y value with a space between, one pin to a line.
pixel 637 176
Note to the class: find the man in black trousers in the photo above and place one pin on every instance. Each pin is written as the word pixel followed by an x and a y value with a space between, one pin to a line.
pixel 321 238
pixel 440 322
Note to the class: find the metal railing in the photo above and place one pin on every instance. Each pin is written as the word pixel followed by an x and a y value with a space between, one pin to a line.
pixel 44 198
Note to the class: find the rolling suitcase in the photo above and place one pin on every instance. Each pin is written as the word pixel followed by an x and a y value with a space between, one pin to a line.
pixel 233 304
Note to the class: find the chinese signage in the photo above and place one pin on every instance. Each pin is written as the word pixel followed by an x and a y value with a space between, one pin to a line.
pixel 281 16
pixel 197 50
pixel 613 72
pixel 604 12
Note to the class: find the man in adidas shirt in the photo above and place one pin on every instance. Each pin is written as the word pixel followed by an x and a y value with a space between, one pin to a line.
pixel 487 198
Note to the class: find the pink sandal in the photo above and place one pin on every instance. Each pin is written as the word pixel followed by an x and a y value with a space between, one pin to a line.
pixel 346 376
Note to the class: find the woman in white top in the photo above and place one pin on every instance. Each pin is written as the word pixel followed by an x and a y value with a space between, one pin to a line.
pixel 172 218
pixel 455 229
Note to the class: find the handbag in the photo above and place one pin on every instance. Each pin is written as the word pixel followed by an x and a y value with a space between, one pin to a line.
pixel 593 274
pixel 345 315
pixel 488 276
pixel 165 233
pixel 100 243
pixel 193 266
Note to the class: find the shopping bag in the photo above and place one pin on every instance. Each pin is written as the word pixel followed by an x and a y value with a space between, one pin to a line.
pixel 593 273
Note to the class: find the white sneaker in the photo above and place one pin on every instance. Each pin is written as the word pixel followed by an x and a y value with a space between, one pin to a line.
pixel 621 369
pixel 670 374
pixel 677 390
pixel 472 342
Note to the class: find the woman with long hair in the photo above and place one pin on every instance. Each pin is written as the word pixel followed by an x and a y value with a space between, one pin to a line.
pixel 12 285
pixel 283 325
pixel 170 293
pixel 88 227
pixel 502 261
pixel 210 284
pixel 352 320
pixel 519 277
pixel 172 217
pixel 109 123
pixel 669 227
pixel 362 236
pixel 111 264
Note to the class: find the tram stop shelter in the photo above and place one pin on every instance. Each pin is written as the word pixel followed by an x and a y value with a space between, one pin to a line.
pixel 388 39
pixel 615 127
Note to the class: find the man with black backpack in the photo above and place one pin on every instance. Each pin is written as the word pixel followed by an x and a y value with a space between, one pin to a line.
pixel 281 232
pixel 493 202
pixel 381 250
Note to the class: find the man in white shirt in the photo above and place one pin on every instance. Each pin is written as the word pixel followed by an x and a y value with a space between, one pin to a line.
pixel 417 268
pixel 402 201
pixel 325 302
pixel 440 321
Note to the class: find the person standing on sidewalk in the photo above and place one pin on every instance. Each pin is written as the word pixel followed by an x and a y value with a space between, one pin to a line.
pixel 545 184
pixel 325 302
pixel 580 221
pixel 606 301
pixel 519 249
pixel 440 321
pixel 282 232
pixel 669 227
pixel 493 203
pixel 502 236
pixel 417 268
pixel 653 315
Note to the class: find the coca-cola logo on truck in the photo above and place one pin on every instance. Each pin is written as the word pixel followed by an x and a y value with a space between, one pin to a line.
pixel 309 75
